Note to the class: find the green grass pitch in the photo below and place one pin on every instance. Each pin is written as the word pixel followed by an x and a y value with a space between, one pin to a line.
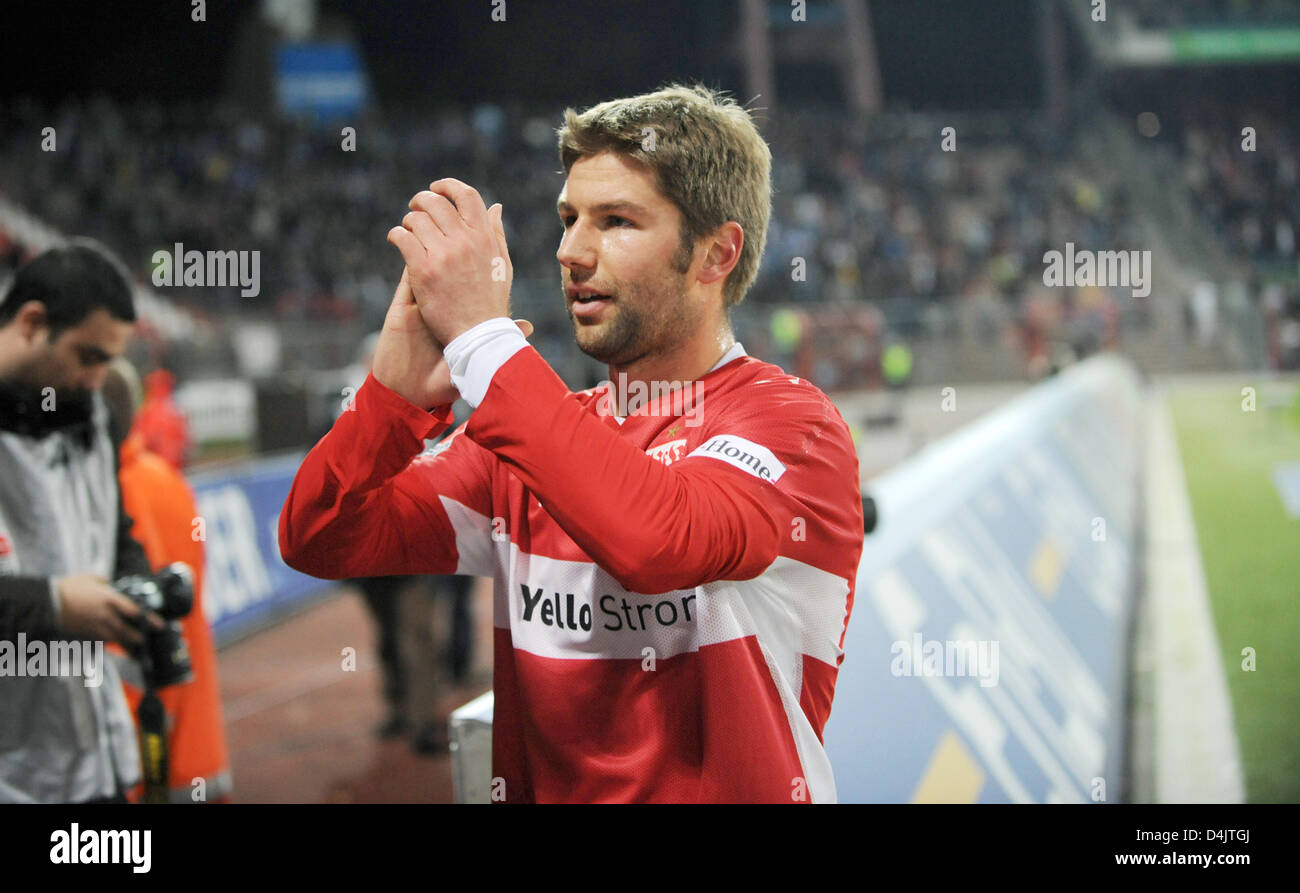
pixel 1250 548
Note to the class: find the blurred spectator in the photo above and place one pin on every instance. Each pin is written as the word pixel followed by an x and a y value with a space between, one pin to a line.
pixel 161 426
pixel 160 501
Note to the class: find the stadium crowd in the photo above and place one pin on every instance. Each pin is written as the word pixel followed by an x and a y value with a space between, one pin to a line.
pixel 871 222
pixel 1247 187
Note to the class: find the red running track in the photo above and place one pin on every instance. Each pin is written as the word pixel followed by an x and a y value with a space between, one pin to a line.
pixel 300 728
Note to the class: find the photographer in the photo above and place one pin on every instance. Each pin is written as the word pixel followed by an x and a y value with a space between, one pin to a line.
pixel 64 736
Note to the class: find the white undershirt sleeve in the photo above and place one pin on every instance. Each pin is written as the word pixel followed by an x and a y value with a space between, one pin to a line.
pixel 475 356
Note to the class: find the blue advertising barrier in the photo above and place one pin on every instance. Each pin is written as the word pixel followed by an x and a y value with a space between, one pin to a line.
pixel 246 583
pixel 986 658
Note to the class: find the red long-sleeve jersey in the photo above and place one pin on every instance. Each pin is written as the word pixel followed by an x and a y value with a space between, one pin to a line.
pixel 671 588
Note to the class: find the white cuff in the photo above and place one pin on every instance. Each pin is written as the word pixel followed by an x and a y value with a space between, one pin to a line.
pixel 476 355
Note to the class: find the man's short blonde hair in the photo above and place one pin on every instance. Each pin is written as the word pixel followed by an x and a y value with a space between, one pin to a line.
pixel 706 155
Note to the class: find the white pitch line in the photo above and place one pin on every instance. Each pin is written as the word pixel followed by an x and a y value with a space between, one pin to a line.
pixel 1196 754
pixel 289 689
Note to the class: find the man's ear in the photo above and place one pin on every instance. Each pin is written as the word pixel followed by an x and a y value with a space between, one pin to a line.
pixel 724 252
pixel 32 320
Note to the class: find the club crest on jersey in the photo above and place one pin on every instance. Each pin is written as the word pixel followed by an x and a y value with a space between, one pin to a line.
pixel 668 452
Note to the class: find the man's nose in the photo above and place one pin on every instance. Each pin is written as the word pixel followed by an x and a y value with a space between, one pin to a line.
pixel 577 249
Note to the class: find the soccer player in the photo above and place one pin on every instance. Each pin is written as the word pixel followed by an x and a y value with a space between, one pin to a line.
pixel 674 551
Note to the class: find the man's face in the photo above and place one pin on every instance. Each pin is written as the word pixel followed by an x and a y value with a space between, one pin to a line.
pixel 76 362
pixel 622 241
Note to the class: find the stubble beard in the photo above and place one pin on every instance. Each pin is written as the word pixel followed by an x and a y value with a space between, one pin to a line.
pixel 33 381
pixel 641 321
pixel 645 319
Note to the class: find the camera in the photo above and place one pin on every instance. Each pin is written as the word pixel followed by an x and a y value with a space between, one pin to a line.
pixel 164 656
